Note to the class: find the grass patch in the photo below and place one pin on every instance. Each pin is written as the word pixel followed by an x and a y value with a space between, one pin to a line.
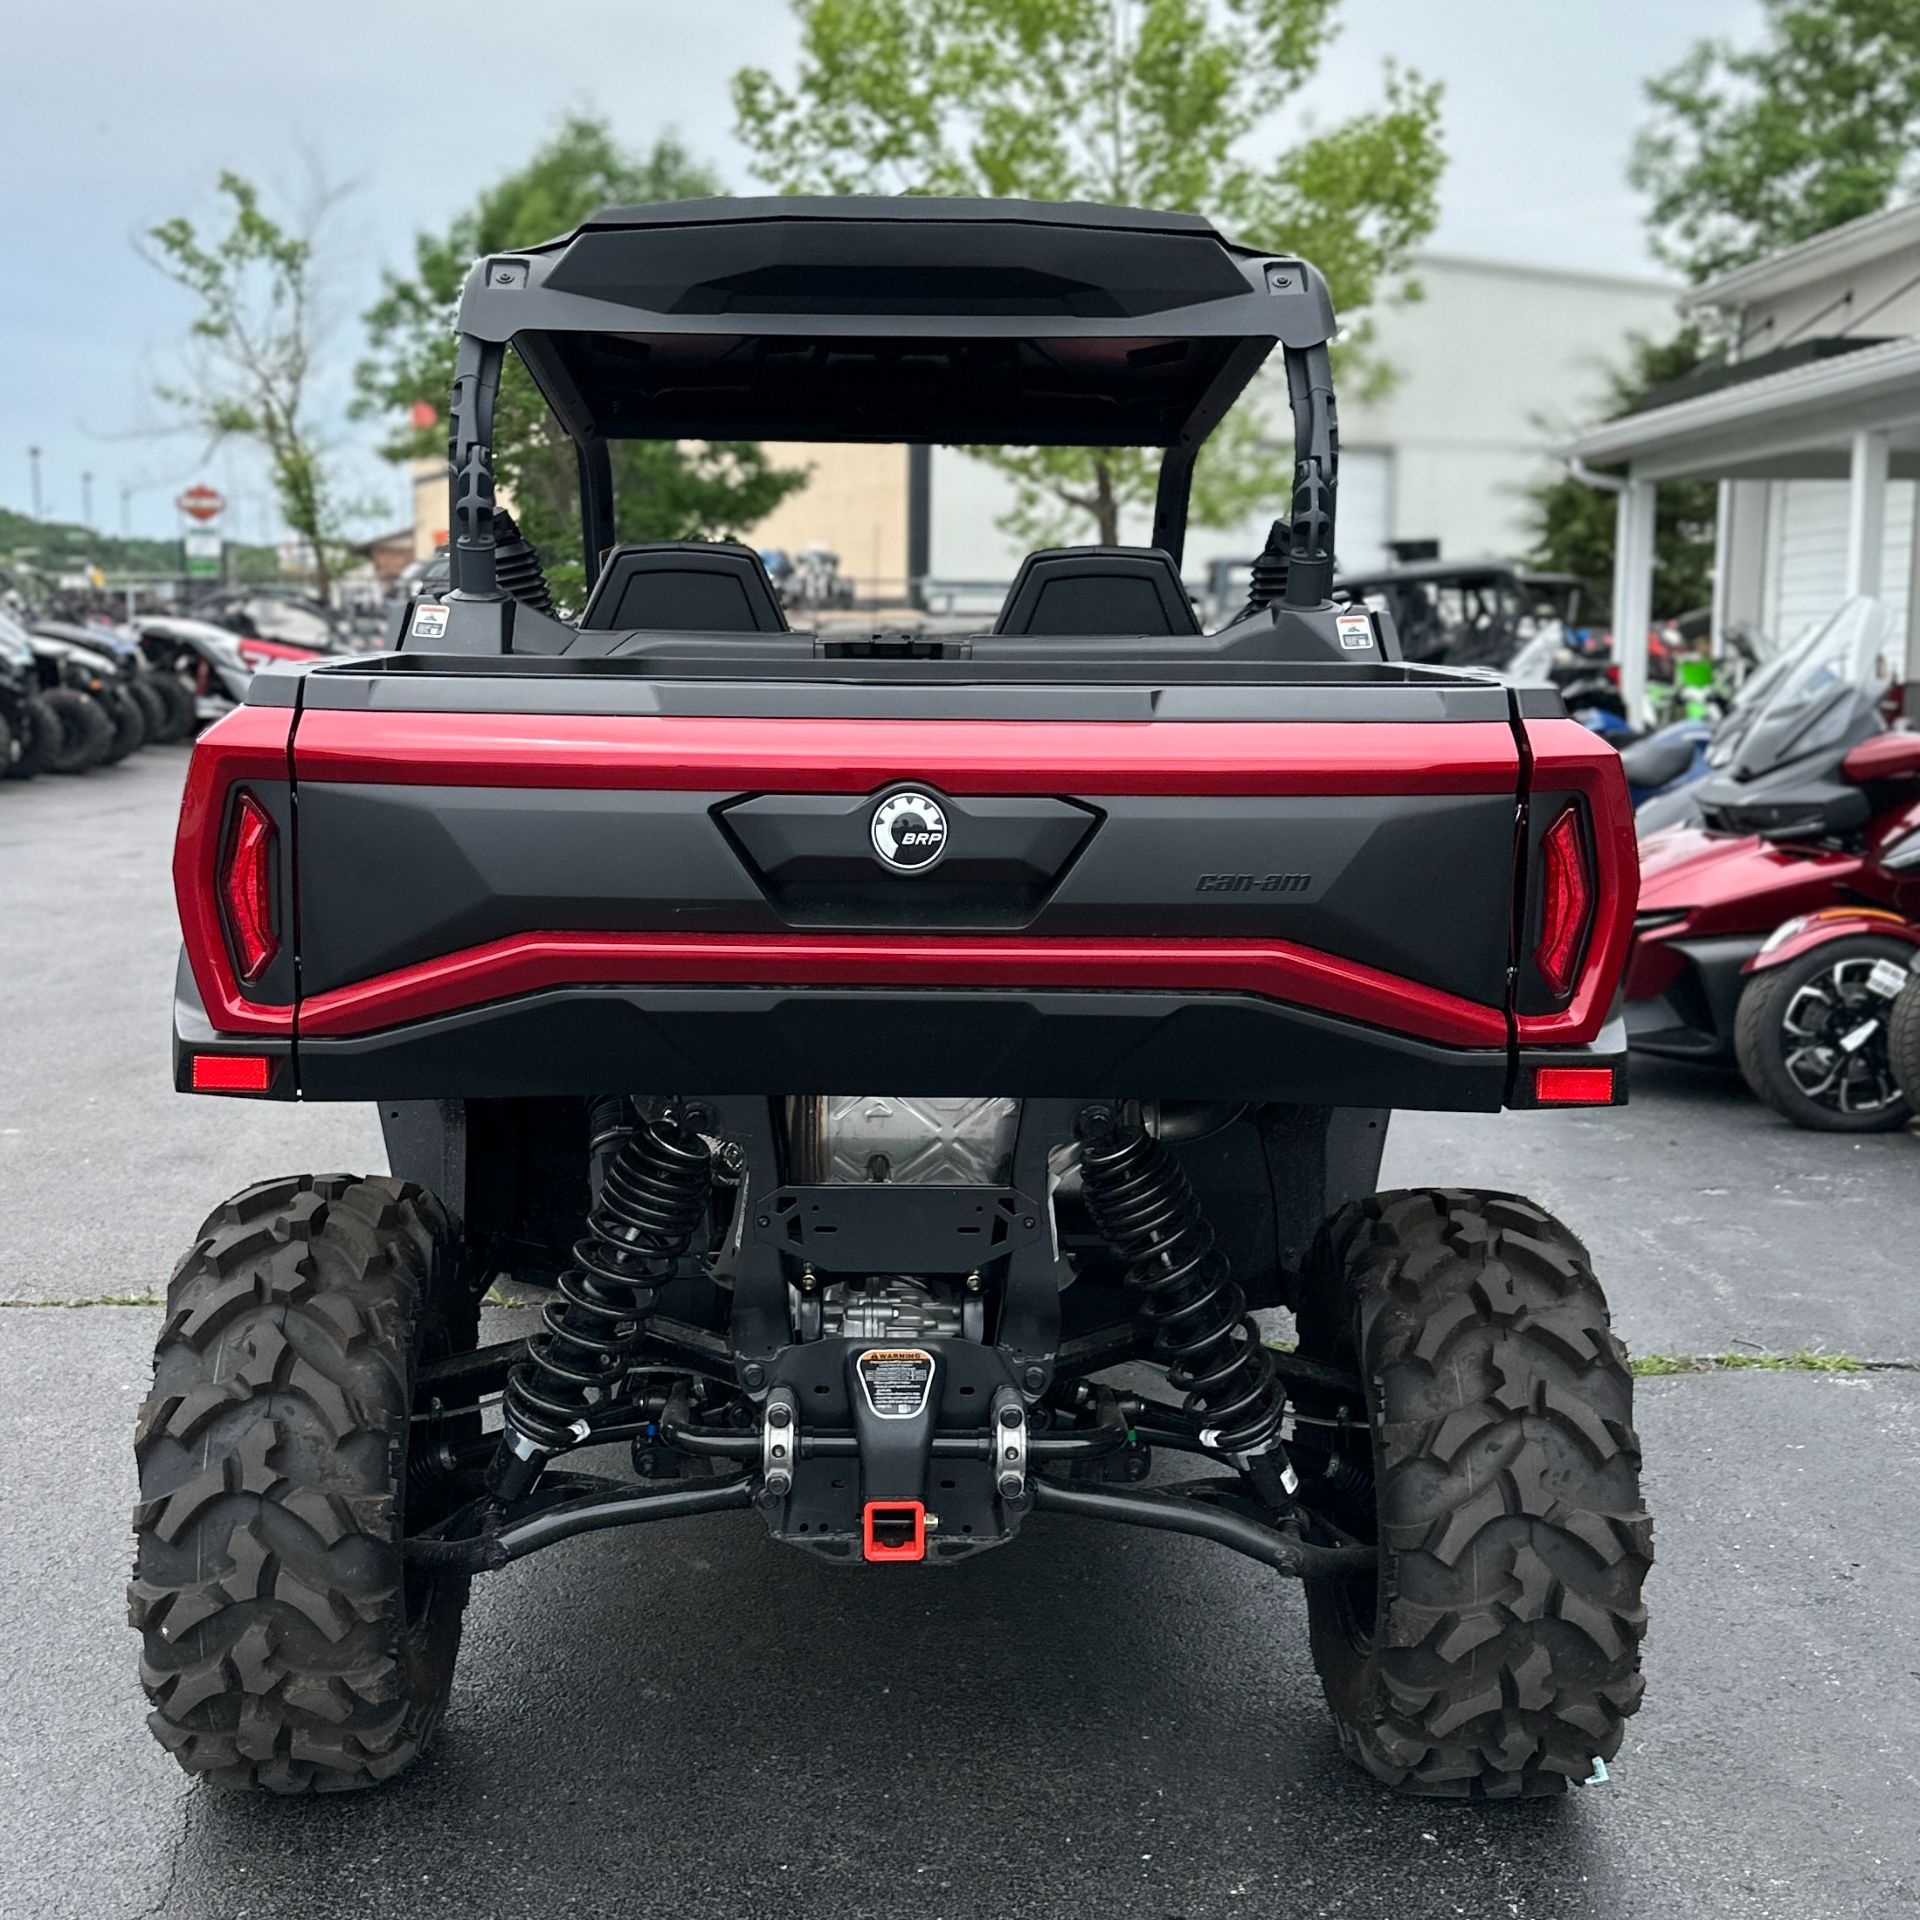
pixel 1800 1360
pixel 96 1300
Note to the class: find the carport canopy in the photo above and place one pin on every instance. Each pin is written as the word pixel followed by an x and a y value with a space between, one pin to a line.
pixel 1851 413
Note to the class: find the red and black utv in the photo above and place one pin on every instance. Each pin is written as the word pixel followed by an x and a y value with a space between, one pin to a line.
pixel 1137 933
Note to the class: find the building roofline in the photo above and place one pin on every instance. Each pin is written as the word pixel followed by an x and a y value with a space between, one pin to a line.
pixel 1839 250
pixel 1818 385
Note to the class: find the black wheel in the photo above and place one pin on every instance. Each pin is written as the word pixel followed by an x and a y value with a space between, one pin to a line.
pixel 287 1646
pixel 1903 1038
pixel 128 720
pixel 1496 1651
pixel 176 701
pixel 9 749
pixel 1811 1036
pixel 85 734
pixel 37 732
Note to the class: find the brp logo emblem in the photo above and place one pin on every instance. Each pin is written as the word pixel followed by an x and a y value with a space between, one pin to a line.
pixel 909 831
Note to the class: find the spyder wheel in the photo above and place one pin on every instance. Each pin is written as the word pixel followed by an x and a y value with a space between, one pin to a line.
pixel 1811 1037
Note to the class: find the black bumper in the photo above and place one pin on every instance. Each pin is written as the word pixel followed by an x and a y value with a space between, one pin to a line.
pixel 751 1040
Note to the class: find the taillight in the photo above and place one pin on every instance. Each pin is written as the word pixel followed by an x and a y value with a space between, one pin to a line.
pixel 1567 902
pixel 246 887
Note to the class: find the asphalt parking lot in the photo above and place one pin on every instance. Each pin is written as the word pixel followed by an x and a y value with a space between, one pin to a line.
pixel 687 1721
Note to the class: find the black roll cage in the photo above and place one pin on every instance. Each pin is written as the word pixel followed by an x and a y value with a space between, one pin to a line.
pixel 793 318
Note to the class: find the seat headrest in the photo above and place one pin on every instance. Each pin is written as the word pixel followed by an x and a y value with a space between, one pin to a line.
pixel 684 586
pixel 1115 590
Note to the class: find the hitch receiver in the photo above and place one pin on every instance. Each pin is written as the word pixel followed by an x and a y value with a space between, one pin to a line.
pixel 894 1530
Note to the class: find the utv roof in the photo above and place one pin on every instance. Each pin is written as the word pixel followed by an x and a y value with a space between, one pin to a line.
pixel 903 318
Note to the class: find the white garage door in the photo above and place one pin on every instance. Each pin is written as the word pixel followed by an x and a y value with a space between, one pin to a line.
pixel 1807 554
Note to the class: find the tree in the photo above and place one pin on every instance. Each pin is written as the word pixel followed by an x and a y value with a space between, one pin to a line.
pixel 1156 103
pixel 1755 148
pixel 255 346
pixel 1573 523
pixel 663 490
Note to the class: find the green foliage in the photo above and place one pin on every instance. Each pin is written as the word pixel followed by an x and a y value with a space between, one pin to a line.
pixel 251 365
pixel 663 490
pixel 48 547
pixel 1153 103
pixel 1755 148
pixel 1573 523
pixel 1800 1360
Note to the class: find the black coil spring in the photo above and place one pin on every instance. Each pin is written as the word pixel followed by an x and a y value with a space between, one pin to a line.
pixel 652 1205
pixel 1145 1209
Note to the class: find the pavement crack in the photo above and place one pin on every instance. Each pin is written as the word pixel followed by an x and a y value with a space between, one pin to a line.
pixel 187 1803
pixel 94 1300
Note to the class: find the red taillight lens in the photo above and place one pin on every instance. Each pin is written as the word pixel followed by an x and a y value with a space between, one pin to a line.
pixel 231 1072
pixel 1567 903
pixel 1574 1086
pixel 246 887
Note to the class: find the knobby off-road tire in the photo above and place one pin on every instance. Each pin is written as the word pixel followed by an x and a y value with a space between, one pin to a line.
pixel 285 1644
pixel 1763 1046
pixel 155 714
pixel 1497 1652
pixel 127 719
pixel 11 749
pixel 180 717
pixel 85 734
pixel 37 728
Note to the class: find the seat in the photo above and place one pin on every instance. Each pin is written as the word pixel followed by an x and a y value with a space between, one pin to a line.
pixel 684 586
pixel 1654 762
pixel 1094 590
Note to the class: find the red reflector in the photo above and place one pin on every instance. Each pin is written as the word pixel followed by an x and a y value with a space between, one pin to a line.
pixel 231 1072
pixel 1567 905
pixel 895 1530
pixel 1574 1086
pixel 246 887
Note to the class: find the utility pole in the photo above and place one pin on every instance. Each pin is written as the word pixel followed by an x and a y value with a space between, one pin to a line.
pixel 126 511
pixel 86 499
pixel 33 463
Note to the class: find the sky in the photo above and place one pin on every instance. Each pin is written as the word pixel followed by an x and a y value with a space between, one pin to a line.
pixel 116 114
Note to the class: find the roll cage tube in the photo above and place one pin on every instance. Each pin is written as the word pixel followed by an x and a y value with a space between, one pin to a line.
pixel 1316 454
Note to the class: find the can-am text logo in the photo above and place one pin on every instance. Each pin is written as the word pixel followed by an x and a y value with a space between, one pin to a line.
pixel 909 831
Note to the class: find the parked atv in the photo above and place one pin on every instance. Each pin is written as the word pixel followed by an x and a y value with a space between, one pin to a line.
pixel 204 660
pixel 163 706
pixel 1817 808
pixel 29 726
pixel 59 723
pixel 1138 931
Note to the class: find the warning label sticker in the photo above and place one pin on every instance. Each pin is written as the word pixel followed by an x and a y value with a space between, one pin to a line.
pixel 896 1380
pixel 429 622
pixel 1355 630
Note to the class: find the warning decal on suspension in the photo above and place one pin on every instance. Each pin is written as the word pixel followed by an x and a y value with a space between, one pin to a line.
pixel 896 1380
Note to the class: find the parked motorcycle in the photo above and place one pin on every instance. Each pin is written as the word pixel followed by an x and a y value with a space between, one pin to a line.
pixel 1814 1030
pixel 1817 806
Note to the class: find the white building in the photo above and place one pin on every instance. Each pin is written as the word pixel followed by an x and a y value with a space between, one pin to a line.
pixel 1812 430
pixel 1494 367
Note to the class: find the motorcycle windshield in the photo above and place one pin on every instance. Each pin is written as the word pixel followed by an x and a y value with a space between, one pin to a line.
pixel 1816 700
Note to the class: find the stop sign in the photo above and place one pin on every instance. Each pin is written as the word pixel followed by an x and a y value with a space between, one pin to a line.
pixel 201 503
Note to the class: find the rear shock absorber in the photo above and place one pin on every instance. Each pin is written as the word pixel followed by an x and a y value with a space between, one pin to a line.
pixel 1145 1209
pixel 651 1206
